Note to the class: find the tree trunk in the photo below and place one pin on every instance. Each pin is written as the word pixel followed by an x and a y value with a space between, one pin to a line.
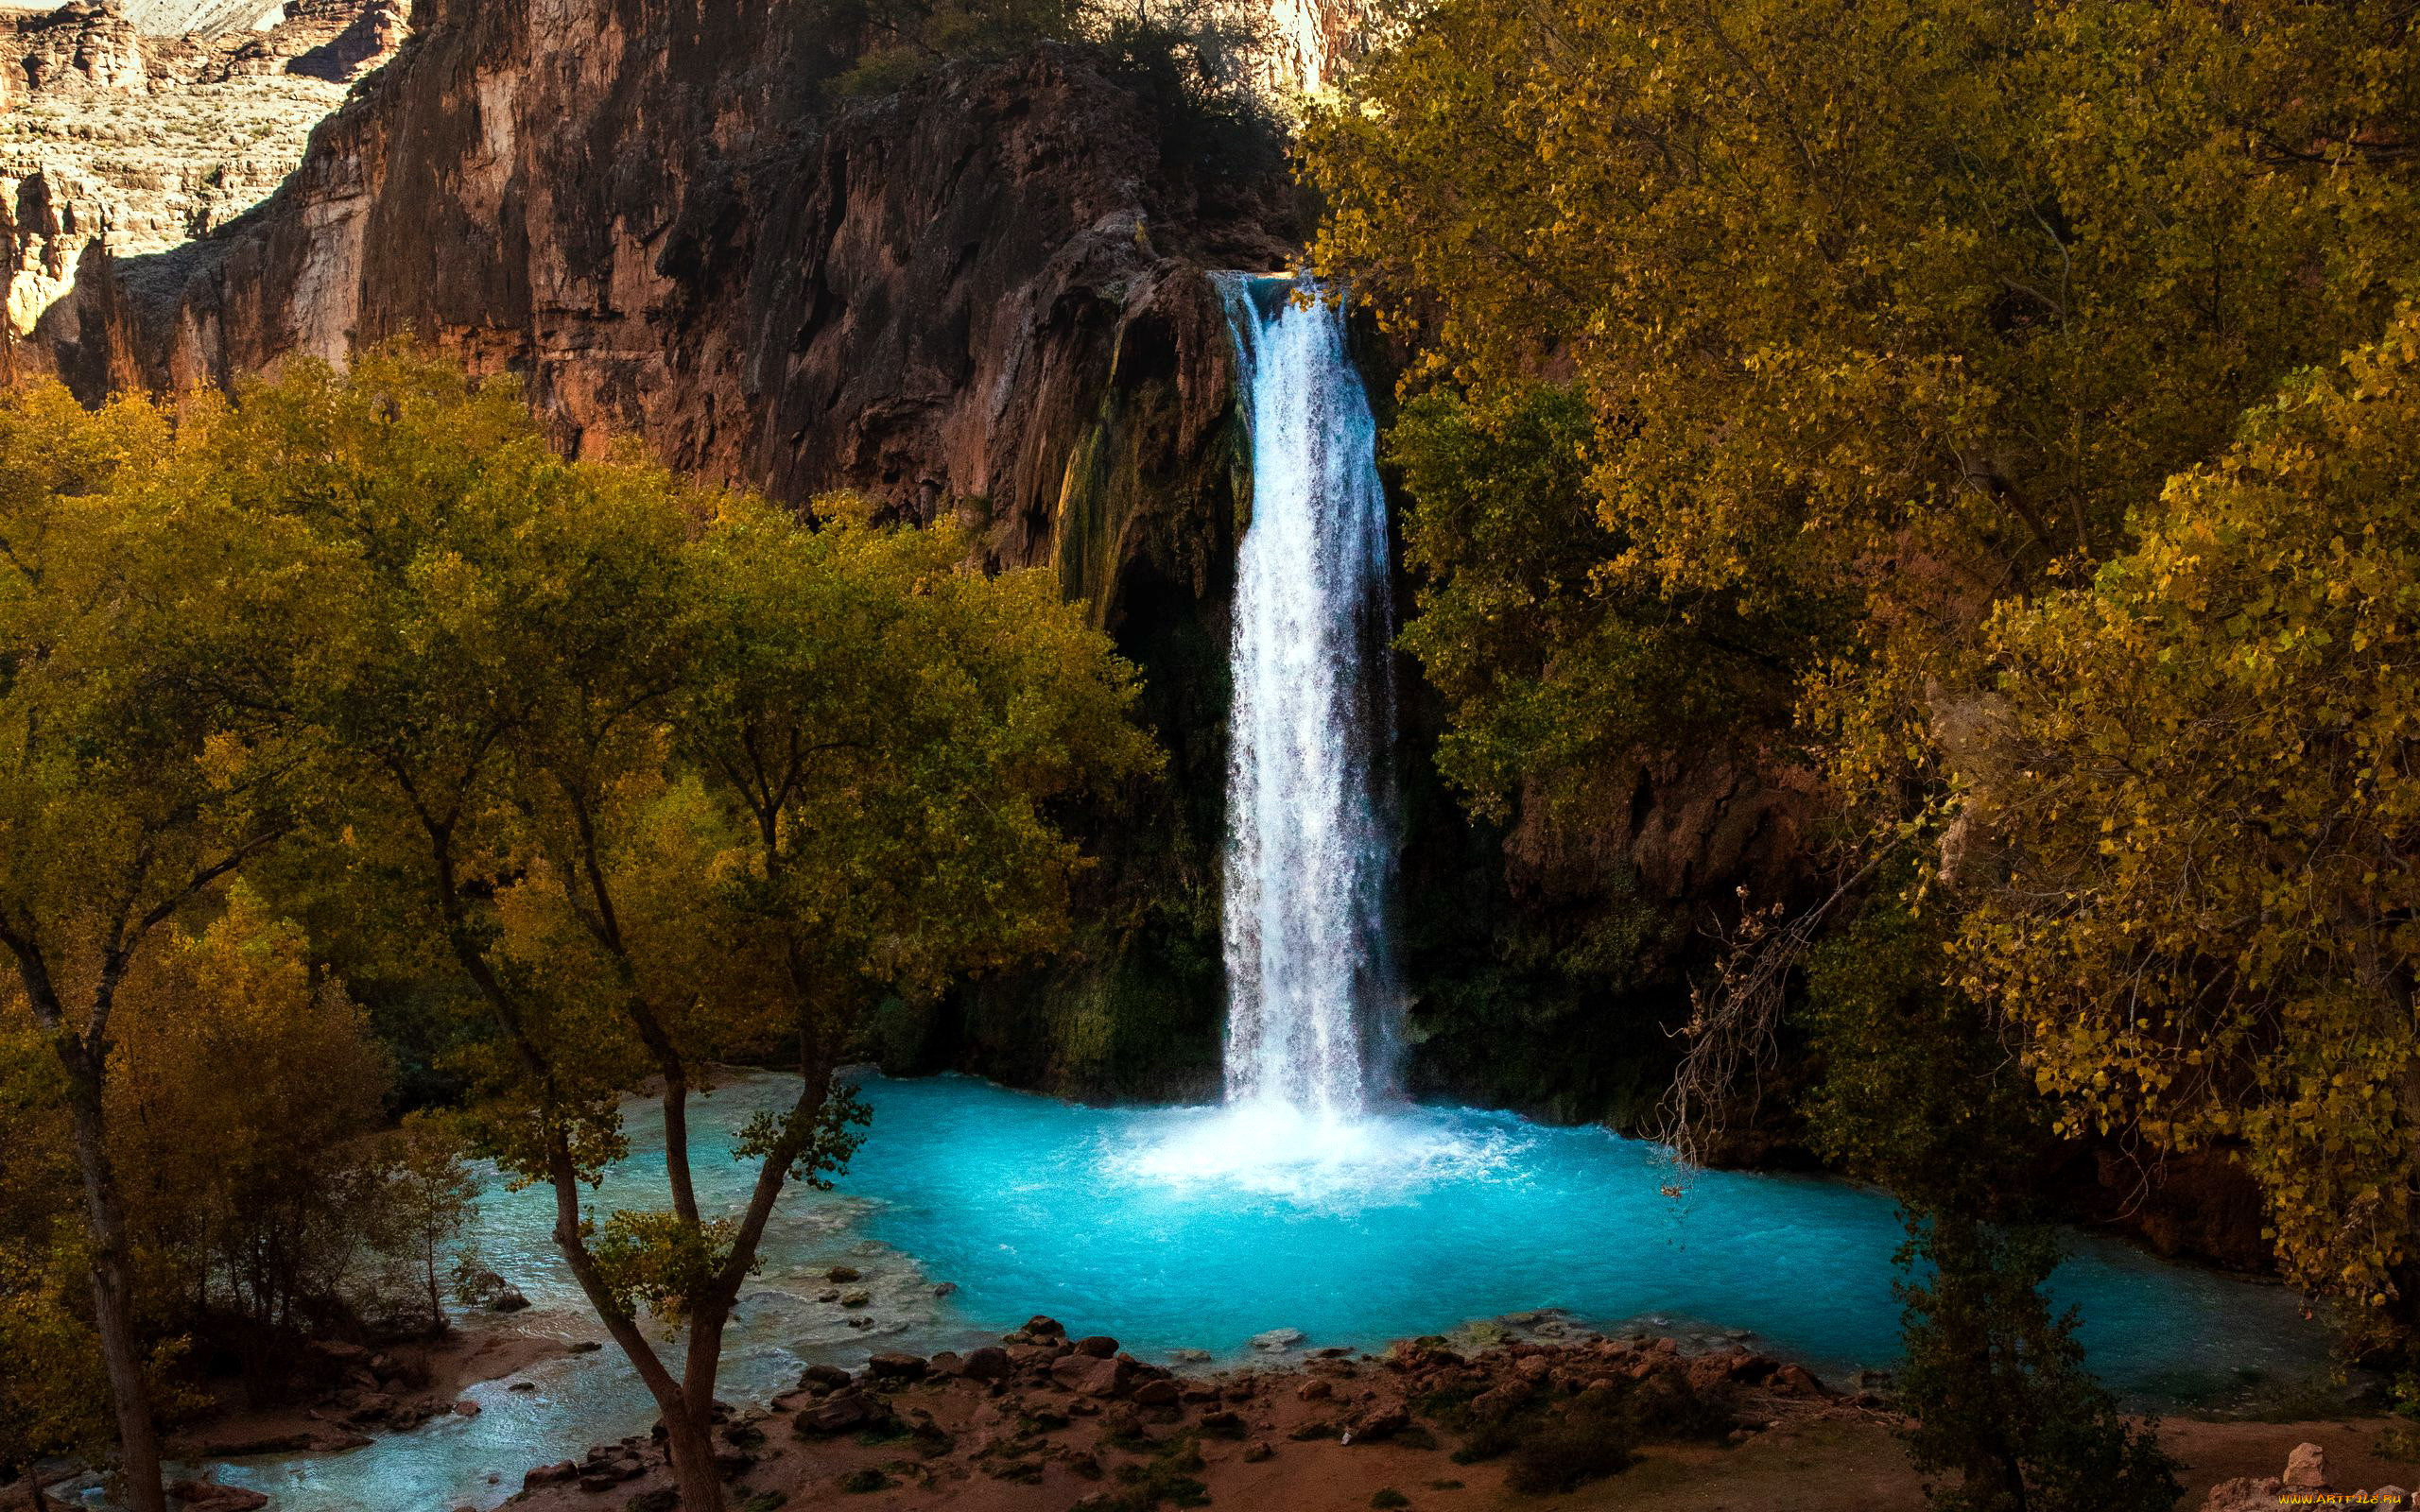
pixel 112 1297
pixel 692 1448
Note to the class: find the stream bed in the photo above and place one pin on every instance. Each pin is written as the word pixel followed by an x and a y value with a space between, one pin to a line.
pixel 1199 1229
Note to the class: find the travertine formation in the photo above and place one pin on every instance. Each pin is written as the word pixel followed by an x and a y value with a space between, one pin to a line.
pixel 116 137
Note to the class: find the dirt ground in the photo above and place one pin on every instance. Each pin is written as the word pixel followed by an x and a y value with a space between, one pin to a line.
pixel 436 1372
pixel 1027 1446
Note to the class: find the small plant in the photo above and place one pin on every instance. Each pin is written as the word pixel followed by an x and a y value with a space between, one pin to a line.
pixel 1586 1440
pixel 1387 1496
pixel 858 1482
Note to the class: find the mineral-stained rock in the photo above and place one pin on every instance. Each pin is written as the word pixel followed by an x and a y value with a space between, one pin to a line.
pixel 988 290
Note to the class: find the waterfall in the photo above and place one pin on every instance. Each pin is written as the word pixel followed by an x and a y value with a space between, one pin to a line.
pixel 1313 1000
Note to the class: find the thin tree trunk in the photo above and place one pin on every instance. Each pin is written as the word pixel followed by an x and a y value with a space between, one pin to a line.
pixel 113 1295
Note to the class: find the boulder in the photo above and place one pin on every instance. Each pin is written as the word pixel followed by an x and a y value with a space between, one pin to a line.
pixel 840 1275
pixel 896 1366
pixel 2245 1494
pixel 549 1475
pixel 840 1413
pixel 1277 1341
pixel 1378 1423
pixel 1089 1375
pixel 2306 1469
pixel 1100 1346
pixel 990 1363
pixel 1041 1327
pixel 822 1377
pixel 1162 1393
pixel 507 1300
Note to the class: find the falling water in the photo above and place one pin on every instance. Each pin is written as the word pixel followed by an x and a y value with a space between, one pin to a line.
pixel 1311 995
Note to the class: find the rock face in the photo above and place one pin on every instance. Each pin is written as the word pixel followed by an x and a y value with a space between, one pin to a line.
pixel 985 295
pixel 672 235
pixel 117 140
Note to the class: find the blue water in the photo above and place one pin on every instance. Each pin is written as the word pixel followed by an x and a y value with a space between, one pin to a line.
pixel 1196 1229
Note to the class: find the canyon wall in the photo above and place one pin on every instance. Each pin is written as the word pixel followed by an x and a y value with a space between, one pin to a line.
pixel 985 293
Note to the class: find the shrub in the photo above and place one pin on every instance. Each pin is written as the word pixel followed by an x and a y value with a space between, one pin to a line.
pixel 1584 1440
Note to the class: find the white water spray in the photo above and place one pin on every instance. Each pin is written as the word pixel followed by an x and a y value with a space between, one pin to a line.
pixel 1313 1000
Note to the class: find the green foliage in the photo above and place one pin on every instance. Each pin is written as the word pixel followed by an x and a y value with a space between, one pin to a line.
pixel 632 777
pixel 2194 814
pixel 1882 307
pixel 428 1198
pixel 813 1145
pixel 1918 1093
pixel 54 1399
pixel 259 1204
pixel 1192 62
pixel 1546 659
pixel 1999 1390
pixel 659 1261
pixel 1911 346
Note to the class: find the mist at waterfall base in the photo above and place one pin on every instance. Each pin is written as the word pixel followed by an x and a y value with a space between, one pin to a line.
pixel 1315 1198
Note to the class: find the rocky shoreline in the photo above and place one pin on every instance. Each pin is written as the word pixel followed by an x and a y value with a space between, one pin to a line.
pixel 1044 1409
pixel 1049 1420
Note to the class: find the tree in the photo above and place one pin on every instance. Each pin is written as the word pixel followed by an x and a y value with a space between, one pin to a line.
pixel 253 1201
pixel 1879 308
pixel 1892 323
pixel 54 1399
pixel 133 785
pixel 1544 664
pixel 2194 806
pixel 1919 1092
pixel 1999 1390
pixel 675 778
pixel 428 1198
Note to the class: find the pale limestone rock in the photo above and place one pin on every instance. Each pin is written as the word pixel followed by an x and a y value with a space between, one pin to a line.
pixel 116 138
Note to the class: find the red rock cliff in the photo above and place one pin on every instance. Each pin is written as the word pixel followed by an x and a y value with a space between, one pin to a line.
pixel 650 210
